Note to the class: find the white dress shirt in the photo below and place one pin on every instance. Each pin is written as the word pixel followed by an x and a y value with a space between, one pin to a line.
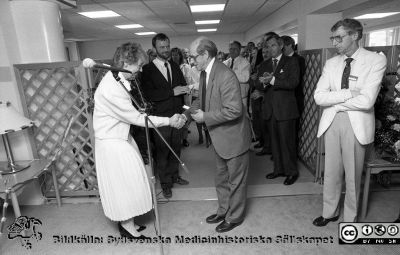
pixel 272 82
pixel 160 64
pixel 241 67
pixel 208 70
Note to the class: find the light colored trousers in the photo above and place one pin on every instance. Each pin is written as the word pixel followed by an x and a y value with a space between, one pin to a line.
pixel 231 186
pixel 343 155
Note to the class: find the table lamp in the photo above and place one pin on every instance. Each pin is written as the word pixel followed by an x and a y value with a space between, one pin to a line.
pixel 11 121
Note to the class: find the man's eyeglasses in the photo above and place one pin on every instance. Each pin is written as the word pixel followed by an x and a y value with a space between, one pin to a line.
pixel 337 38
pixel 194 57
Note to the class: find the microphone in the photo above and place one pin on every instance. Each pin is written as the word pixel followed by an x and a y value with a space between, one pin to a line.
pixel 90 63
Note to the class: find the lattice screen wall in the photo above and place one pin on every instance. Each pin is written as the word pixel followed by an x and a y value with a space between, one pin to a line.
pixel 308 143
pixel 55 93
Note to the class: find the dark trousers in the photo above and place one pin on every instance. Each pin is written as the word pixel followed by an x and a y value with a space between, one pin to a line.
pixel 266 135
pixel 283 141
pixel 256 118
pixel 167 165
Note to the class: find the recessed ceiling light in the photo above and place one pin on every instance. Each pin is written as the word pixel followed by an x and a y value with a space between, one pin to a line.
pixel 207 8
pixel 129 26
pixel 376 15
pixel 203 22
pixel 207 30
pixel 146 33
pixel 99 14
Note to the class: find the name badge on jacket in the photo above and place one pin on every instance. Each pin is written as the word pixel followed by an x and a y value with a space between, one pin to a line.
pixel 353 78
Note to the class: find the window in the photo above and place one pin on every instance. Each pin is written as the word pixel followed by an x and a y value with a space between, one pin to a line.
pixel 295 37
pixel 383 37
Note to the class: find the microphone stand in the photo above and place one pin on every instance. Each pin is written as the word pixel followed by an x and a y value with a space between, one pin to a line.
pixel 152 178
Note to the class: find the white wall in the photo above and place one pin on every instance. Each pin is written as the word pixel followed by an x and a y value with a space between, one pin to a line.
pixel 105 49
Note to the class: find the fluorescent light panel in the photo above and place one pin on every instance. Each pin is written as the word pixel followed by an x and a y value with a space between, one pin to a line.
pixel 146 33
pixel 99 14
pixel 204 22
pixel 207 8
pixel 207 30
pixel 376 15
pixel 128 26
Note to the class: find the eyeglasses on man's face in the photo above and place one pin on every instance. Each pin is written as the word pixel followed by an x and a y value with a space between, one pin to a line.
pixel 194 57
pixel 338 38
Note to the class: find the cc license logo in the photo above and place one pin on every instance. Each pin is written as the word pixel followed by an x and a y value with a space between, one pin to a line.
pixel 349 233
pixel 380 230
pixel 392 230
pixel 367 230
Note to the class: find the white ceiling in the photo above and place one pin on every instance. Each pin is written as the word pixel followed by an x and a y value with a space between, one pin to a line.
pixel 172 17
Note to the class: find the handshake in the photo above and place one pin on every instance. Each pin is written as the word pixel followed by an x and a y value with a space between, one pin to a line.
pixel 177 121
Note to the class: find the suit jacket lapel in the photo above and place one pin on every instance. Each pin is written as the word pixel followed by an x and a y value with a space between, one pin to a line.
pixel 359 65
pixel 280 64
pixel 210 86
pixel 160 73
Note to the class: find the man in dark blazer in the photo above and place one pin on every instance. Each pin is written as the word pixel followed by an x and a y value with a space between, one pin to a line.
pixel 288 50
pixel 164 85
pixel 220 107
pixel 279 81
pixel 265 141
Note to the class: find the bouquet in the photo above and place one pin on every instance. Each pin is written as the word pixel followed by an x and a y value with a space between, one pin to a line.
pixel 387 114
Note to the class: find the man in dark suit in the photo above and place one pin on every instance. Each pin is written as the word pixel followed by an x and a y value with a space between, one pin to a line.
pixel 288 50
pixel 220 107
pixel 259 119
pixel 279 81
pixel 164 85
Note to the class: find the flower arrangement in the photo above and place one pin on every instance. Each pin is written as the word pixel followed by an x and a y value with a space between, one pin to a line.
pixel 387 114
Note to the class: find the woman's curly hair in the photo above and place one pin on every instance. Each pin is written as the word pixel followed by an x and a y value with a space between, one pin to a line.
pixel 128 53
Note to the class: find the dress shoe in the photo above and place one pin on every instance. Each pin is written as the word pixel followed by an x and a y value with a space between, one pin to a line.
pixel 321 221
pixel 208 143
pixel 185 143
pixel 263 152
pixel 273 175
pixel 215 218
pixel 290 179
pixel 125 233
pixel 180 181
pixel 258 145
pixel 167 192
pixel 227 226
pixel 140 228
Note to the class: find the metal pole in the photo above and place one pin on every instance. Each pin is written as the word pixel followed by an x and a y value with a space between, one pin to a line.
pixel 12 167
pixel 153 185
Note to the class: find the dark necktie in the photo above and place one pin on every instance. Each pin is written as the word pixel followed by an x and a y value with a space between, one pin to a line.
pixel 346 74
pixel 274 64
pixel 203 77
pixel 168 74
pixel 231 64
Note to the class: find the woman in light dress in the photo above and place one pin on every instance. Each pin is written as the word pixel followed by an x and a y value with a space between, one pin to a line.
pixel 123 184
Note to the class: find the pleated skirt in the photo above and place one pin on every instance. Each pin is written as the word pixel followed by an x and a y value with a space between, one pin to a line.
pixel 123 183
